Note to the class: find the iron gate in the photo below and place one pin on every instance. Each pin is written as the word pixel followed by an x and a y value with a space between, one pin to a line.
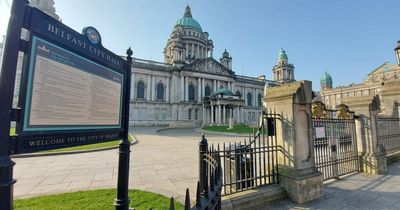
pixel 335 144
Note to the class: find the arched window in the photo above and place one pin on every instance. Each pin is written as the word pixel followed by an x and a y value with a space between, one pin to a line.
pixel 191 92
pixel 140 90
pixel 160 91
pixel 207 90
pixel 249 99
pixel 259 99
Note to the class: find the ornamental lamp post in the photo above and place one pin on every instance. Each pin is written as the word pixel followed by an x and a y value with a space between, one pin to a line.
pixel 397 50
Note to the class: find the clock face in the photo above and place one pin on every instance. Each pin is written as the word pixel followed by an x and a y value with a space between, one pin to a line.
pixel 93 35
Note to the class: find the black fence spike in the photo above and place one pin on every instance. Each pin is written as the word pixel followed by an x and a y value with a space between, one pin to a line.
pixel 172 204
pixel 212 180
pixel 198 195
pixel 187 199
pixel 206 190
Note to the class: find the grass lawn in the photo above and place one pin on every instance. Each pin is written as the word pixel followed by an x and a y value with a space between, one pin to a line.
pixel 236 129
pixel 94 199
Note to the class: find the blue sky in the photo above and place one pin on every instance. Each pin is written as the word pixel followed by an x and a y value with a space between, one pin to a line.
pixel 346 38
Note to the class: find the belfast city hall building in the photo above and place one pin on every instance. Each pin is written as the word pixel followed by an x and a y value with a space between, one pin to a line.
pixel 192 88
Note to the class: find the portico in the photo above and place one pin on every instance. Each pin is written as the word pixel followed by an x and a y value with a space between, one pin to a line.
pixel 222 107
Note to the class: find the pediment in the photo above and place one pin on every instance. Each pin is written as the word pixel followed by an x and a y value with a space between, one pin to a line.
pixel 209 65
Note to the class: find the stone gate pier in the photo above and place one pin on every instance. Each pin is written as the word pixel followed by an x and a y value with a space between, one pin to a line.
pixel 297 172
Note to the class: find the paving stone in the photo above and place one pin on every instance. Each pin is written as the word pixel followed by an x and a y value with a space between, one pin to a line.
pixel 159 165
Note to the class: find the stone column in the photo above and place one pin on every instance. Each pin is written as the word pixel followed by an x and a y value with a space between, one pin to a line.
pixel 167 90
pixel 245 96
pixel 199 89
pixel 232 86
pixel 133 86
pixel 218 84
pixel 182 95
pixel 212 115
pixel 193 55
pixel 204 116
pixel 198 51
pixel 254 97
pixel 223 114
pixel 215 85
pixel 297 172
pixel 186 89
pixel 148 87
pixel 219 114
pixel 203 88
pixel 238 115
pixel 153 88
pixel 372 155
pixel 187 49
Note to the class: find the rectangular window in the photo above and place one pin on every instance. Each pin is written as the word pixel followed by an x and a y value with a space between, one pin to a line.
pixel 189 114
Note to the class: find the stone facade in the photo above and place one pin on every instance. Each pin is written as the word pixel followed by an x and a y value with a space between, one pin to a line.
pixel 332 97
pixel 171 93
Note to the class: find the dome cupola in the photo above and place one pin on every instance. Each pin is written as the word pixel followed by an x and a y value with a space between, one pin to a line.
pixel 187 21
pixel 326 81
pixel 282 54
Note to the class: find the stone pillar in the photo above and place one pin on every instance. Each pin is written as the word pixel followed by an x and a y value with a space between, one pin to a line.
pixel 182 95
pixel 204 116
pixel 153 88
pixel 372 155
pixel 133 86
pixel 219 115
pixel 167 90
pixel 218 85
pixel 199 89
pixel 212 115
pixel 203 88
pixel 215 85
pixel 297 172
pixel 187 49
pixel 238 115
pixel 254 97
pixel 245 96
pixel 186 89
pixel 148 87
pixel 223 114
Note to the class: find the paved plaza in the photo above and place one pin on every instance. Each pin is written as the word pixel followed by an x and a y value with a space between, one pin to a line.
pixel 166 162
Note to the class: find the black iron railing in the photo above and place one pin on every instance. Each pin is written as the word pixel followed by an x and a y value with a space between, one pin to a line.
pixel 388 131
pixel 252 163
pixel 236 167
pixel 209 186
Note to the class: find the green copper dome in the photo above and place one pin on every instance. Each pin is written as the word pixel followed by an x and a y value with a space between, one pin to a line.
pixel 326 78
pixel 282 54
pixel 189 21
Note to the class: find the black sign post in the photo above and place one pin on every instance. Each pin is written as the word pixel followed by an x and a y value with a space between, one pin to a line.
pixel 122 200
pixel 7 80
pixel 73 91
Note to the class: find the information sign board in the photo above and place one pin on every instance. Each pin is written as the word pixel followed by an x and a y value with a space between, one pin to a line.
pixel 72 88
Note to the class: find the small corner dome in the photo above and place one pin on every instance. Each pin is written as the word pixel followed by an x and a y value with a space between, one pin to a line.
pixel 223 91
pixel 225 54
pixel 282 54
pixel 326 78
pixel 187 21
